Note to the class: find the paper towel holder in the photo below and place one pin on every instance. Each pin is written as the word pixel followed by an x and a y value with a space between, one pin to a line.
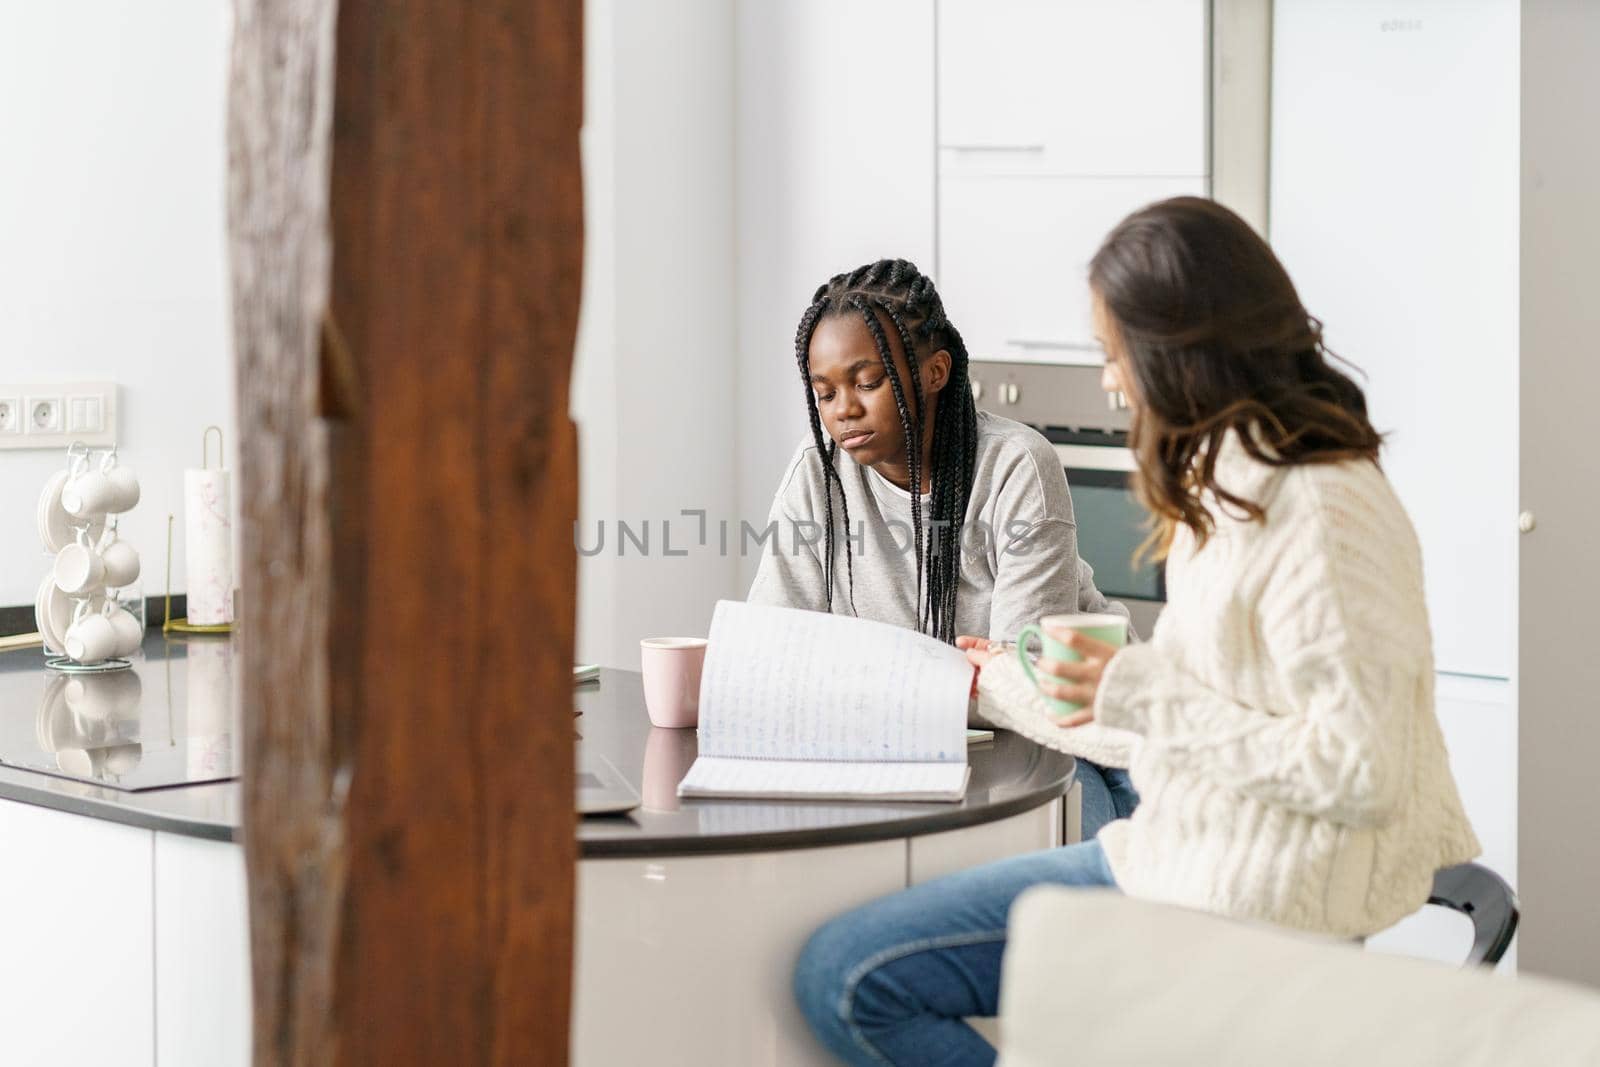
pixel 205 448
pixel 169 625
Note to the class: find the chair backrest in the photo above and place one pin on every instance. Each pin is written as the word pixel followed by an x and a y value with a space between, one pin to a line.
pixel 1485 898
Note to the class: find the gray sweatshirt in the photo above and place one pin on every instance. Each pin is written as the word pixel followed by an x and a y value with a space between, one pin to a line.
pixel 1019 544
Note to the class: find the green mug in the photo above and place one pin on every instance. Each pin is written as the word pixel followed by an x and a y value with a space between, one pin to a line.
pixel 1111 629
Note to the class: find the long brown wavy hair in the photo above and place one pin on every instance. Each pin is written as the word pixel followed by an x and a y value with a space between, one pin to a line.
pixel 1211 337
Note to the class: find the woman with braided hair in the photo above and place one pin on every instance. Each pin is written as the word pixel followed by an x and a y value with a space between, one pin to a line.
pixel 969 531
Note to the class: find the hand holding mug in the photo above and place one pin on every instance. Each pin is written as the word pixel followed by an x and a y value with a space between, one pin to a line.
pixel 1075 651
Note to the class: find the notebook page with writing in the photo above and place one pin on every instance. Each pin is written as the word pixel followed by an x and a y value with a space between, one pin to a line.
pixel 824 780
pixel 780 683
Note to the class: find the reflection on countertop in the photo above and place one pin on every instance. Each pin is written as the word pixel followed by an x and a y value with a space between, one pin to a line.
pixel 1009 775
pixel 152 746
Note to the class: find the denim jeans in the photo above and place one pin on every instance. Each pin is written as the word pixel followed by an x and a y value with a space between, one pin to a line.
pixel 1107 794
pixel 891 982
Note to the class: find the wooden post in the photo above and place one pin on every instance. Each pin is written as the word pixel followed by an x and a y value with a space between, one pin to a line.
pixel 406 227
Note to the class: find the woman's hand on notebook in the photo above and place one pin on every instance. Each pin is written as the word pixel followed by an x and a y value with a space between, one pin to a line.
pixel 979 650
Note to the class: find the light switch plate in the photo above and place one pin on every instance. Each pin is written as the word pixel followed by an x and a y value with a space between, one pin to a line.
pixel 56 416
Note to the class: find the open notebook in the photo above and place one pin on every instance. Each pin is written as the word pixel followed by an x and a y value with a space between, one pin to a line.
pixel 806 705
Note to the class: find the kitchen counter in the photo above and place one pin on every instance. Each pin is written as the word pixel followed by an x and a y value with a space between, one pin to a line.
pixel 174 713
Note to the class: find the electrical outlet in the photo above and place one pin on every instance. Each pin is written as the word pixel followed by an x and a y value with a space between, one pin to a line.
pixel 56 416
pixel 45 414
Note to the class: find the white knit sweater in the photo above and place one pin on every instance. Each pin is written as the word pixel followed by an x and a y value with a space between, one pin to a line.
pixel 1287 756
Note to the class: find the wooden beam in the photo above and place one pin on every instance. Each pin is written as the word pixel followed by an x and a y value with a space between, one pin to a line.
pixel 407 253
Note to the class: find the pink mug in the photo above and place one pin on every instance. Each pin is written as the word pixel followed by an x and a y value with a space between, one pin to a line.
pixel 671 667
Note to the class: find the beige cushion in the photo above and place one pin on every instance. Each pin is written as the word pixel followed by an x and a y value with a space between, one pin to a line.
pixel 1092 977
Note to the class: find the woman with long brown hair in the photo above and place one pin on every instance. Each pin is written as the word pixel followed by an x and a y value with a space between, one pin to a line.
pixel 1286 750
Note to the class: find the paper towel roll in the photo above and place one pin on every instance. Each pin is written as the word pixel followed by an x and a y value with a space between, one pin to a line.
pixel 208 546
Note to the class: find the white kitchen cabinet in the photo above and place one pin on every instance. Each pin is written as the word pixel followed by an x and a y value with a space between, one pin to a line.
pixel 1395 205
pixel 688 959
pixel 935 855
pixel 1014 254
pixel 202 953
pixel 75 920
pixel 1073 87
pixel 125 947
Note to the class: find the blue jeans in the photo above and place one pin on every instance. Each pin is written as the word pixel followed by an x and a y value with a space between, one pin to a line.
pixel 891 982
pixel 1107 794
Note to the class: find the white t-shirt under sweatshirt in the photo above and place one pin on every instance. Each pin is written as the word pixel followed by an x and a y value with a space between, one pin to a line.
pixel 1019 544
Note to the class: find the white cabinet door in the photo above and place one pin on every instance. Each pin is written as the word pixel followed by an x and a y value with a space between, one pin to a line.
pixel 1395 208
pixel 935 855
pixel 688 961
pixel 1014 254
pixel 202 939
pixel 75 919
pixel 1102 87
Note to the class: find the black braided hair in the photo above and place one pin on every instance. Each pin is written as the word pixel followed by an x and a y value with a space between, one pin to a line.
pixel 895 290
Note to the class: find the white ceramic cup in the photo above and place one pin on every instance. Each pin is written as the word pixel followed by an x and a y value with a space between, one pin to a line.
pixel 125 488
pixel 79 568
pixel 87 495
pixel 91 638
pixel 671 667
pixel 119 760
pixel 98 697
pixel 121 564
pixel 77 762
pixel 129 635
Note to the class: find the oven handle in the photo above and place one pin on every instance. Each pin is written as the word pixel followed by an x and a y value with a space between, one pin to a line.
pixel 1096 457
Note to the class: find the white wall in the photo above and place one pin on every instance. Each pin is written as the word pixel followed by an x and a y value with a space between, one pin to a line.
pixel 112 254
pixel 653 387
pixel 835 146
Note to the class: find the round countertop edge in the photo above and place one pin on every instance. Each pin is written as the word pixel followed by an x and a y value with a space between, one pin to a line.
pixel 914 825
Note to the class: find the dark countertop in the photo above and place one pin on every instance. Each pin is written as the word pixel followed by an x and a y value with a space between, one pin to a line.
pixel 175 715
pixel 172 716
pixel 1010 775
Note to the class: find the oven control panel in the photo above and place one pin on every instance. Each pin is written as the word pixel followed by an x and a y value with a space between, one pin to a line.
pixel 1066 397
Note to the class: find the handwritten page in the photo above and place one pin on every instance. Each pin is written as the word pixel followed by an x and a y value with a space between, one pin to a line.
pixel 784 684
pixel 811 779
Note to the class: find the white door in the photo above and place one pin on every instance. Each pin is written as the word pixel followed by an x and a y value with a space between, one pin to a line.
pixel 1394 205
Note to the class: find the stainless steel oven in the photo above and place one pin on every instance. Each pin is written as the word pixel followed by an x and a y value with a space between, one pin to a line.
pixel 1090 435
